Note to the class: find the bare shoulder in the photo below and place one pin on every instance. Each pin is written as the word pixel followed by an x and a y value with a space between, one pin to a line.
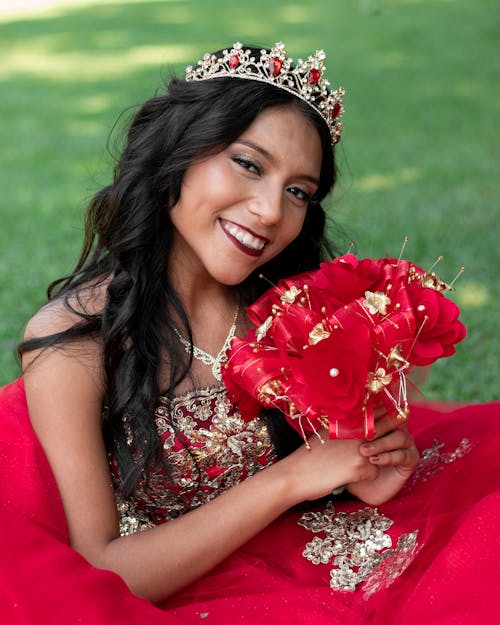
pixel 52 318
pixel 78 361
pixel 61 314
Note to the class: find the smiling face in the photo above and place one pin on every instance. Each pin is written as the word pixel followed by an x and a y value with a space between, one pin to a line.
pixel 241 207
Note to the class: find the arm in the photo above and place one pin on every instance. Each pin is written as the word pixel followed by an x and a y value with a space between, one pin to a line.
pixel 64 390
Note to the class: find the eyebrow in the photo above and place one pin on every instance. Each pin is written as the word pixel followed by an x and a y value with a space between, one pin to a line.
pixel 270 157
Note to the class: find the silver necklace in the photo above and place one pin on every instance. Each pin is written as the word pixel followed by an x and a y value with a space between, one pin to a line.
pixel 217 361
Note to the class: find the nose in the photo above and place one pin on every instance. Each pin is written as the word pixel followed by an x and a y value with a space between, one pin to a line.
pixel 267 207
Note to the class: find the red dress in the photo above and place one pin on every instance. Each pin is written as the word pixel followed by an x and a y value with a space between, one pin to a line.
pixel 431 555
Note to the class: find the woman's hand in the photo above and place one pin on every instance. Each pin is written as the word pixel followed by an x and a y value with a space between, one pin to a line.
pixel 394 454
pixel 314 472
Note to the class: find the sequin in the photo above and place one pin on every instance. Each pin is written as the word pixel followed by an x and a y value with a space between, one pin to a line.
pixel 434 459
pixel 359 548
pixel 131 520
pixel 394 562
pixel 209 448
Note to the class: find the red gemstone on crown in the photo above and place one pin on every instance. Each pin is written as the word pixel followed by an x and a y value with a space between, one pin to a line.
pixel 313 76
pixel 336 110
pixel 275 66
pixel 234 61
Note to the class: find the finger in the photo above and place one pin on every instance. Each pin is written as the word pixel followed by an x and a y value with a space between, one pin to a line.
pixel 387 423
pixel 397 439
pixel 402 458
pixel 379 412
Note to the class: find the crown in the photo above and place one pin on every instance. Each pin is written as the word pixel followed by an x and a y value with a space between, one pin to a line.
pixel 304 78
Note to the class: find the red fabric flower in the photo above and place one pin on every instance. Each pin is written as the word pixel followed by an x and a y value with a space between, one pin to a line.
pixel 331 374
pixel 346 278
pixel 331 344
pixel 439 328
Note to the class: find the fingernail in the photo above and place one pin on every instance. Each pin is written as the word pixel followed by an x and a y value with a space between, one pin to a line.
pixel 375 459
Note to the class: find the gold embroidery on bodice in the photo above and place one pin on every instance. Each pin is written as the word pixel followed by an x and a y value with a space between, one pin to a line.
pixel 209 448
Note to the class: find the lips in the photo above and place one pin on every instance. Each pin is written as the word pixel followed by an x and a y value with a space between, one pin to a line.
pixel 244 239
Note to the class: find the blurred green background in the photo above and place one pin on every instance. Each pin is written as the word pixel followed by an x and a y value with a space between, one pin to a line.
pixel 419 155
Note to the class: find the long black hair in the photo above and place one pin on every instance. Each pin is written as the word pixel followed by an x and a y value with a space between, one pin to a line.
pixel 126 247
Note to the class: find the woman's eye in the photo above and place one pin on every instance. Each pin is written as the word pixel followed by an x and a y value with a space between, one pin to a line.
pixel 300 194
pixel 247 164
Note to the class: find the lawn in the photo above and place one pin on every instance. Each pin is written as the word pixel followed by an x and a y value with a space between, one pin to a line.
pixel 419 155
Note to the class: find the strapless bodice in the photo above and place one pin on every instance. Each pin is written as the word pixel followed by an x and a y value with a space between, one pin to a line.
pixel 209 448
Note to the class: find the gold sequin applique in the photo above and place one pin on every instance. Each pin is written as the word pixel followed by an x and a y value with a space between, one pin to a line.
pixel 209 448
pixel 359 548
pixel 434 459
pixel 131 520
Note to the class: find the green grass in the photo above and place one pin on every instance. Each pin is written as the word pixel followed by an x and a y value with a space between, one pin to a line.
pixel 418 156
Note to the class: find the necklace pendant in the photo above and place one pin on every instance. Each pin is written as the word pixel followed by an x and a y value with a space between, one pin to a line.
pixel 215 362
pixel 217 370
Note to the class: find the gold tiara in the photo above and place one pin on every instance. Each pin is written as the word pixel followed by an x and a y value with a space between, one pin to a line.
pixel 304 78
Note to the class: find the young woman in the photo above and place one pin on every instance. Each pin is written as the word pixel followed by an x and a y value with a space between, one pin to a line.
pixel 220 180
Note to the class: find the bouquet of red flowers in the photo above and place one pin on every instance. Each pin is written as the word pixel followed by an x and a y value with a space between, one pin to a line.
pixel 331 345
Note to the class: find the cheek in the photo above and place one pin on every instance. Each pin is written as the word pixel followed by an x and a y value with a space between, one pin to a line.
pixel 293 226
pixel 176 215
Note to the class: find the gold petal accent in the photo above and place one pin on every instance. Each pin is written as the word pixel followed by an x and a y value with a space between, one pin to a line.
pixel 431 281
pixel 318 333
pixel 376 302
pixel 291 295
pixel 396 358
pixel 403 412
pixel 378 380
pixel 269 391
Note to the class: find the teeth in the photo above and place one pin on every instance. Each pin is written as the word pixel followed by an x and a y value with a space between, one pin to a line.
pixel 244 237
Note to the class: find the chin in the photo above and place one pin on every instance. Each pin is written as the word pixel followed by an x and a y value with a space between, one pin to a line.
pixel 233 280
pixel 230 277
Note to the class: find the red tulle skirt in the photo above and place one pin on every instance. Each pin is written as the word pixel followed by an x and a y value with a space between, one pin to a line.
pixel 429 556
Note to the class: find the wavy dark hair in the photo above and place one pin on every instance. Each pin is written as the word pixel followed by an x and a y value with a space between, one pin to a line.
pixel 126 247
